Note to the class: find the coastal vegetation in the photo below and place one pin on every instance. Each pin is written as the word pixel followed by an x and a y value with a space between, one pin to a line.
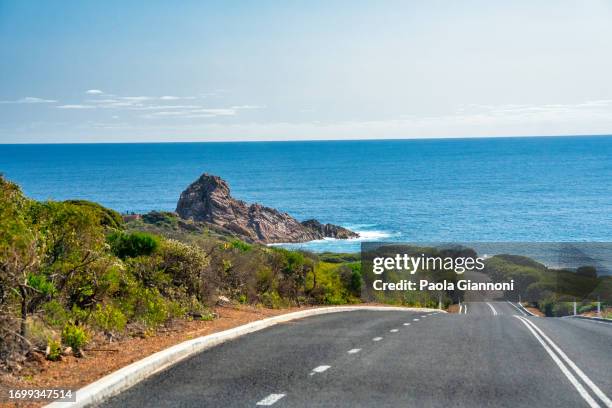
pixel 74 271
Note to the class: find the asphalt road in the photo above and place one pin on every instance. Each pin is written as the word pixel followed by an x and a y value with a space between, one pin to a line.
pixel 484 357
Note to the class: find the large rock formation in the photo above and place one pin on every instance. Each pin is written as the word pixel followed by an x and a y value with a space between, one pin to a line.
pixel 208 199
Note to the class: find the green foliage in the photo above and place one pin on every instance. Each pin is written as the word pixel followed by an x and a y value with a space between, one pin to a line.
pixel 54 313
pixel 41 284
pixel 240 245
pixel 109 318
pixel 108 218
pixel 130 245
pixel 55 350
pixel 273 300
pixel 161 219
pixel 74 336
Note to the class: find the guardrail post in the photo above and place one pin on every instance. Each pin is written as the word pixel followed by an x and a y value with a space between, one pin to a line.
pixel 598 307
pixel 574 307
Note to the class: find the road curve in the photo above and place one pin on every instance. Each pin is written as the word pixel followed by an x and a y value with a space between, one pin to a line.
pixel 487 357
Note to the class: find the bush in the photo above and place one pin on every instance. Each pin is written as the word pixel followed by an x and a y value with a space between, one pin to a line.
pixel 130 245
pixel 240 245
pixel 54 350
pixel 108 218
pixel 109 318
pixel 74 336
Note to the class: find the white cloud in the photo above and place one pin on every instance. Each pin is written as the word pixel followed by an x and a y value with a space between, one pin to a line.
pixel 198 112
pixel 94 92
pixel 31 99
pixel 76 106
pixel 238 107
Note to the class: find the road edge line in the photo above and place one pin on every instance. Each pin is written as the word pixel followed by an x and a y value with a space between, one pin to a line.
pixel 130 375
pixel 596 390
pixel 581 390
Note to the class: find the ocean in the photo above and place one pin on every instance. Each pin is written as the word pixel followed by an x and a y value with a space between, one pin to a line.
pixel 443 190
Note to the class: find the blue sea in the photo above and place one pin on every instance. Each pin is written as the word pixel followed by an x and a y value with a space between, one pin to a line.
pixel 466 190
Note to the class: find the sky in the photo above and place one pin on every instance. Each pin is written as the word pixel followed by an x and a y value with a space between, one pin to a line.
pixel 127 71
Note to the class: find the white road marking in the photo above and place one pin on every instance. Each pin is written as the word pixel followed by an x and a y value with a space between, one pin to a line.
pixel 319 369
pixel 406 324
pixel 394 330
pixel 465 309
pixel 415 320
pixel 460 308
pixel 583 393
pixel 600 394
pixel 270 399
pixel 423 316
pixel 353 351
pixel 377 339
pixel 517 308
pixel 492 309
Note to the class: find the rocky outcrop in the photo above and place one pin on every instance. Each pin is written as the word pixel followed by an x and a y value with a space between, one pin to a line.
pixel 208 199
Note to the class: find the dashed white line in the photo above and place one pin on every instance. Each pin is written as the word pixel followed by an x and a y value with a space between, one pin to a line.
pixel 320 369
pixel 415 320
pixel 377 339
pixel 270 399
pixel 600 394
pixel 406 324
pixel 492 309
pixel 353 351
pixel 394 330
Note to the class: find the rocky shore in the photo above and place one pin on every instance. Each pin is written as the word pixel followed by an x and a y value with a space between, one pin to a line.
pixel 208 199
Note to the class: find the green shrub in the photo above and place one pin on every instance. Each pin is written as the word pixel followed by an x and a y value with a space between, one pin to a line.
pixel 54 313
pixel 272 300
pixel 108 218
pixel 74 336
pixel 133 244
pixel 109 318
pixel 55 350
pixel 240 245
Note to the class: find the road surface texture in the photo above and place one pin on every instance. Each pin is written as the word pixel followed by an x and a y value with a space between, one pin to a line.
pixel 490 355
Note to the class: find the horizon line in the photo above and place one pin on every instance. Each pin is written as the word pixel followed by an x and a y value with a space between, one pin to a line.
pixel 364 139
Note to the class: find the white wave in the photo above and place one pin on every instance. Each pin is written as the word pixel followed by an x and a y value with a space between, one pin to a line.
pixel 372 235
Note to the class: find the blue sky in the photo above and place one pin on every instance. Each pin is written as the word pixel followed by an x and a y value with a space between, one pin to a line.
pixel 121 71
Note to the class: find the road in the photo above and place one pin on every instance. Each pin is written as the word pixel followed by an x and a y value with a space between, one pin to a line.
pixel 488 356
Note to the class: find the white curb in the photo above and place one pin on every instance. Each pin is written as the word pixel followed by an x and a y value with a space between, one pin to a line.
pixel 128 376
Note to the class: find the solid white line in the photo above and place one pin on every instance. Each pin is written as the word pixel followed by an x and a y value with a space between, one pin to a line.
pixel 320 369
pixel 600 394
pixel 377 339
pixel 583 393
pixel 353 351
pixel 406 324
pixel 516 307
pixel 270 399
pixel 492 309
pixel 394 330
